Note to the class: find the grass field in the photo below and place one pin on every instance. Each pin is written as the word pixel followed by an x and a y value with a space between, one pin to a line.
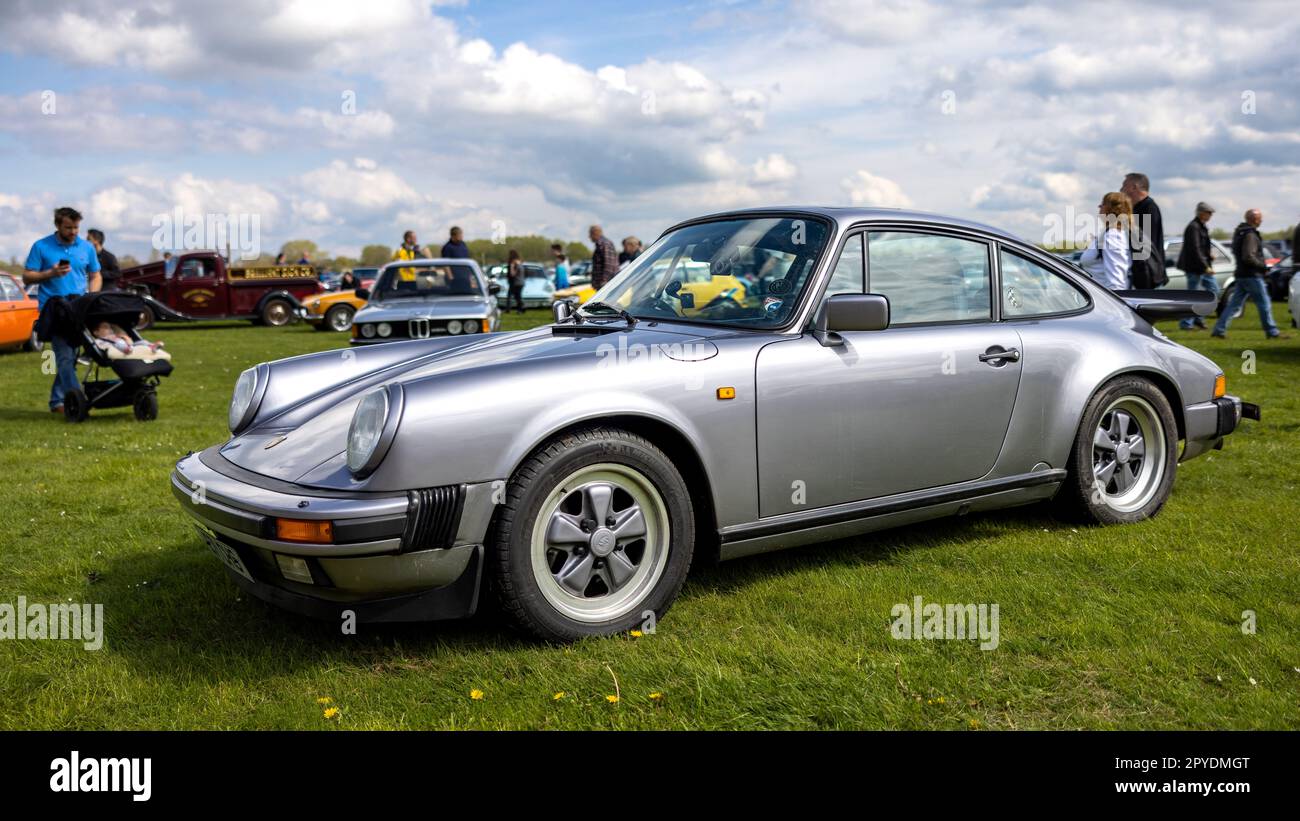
pixel 1127 627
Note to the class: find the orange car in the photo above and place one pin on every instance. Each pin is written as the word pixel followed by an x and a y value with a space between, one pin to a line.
pixel 333 310
pixel 17 314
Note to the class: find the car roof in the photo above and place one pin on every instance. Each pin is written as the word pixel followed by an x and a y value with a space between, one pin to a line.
pixel 408 263
pixel 847 215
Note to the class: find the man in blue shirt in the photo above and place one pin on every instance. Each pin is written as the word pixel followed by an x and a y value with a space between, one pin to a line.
pixel 65 265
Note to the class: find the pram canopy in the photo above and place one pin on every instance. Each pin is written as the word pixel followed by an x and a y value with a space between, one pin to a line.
pixel 121 308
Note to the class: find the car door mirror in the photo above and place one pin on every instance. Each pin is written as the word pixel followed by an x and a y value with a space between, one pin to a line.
pixel 850 312
pixel 363 293
pixel 562 309
pixel 494 288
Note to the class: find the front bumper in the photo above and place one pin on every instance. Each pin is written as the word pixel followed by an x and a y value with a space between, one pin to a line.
pixel 413 556
pixel 1207 423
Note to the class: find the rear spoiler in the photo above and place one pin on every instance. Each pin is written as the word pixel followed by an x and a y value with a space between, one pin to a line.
pixel 1153 305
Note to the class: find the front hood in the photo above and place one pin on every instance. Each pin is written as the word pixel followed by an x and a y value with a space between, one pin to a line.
pixel 312 433
pixel 443 307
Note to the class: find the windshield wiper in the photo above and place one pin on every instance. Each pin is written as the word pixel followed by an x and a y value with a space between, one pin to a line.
pixel 627 317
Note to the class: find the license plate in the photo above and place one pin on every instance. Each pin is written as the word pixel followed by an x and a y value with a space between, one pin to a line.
pixel 224 552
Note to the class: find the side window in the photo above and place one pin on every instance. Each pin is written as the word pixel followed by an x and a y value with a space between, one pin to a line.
pixel 1217 256
pixel 929 277
pixel 848 275
pixel 1032 290
pixel 1172 250
pixel 9 292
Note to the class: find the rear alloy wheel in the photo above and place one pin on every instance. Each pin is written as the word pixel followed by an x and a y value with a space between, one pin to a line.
pixel 1125 455
pixel 33 343
pixel 339 318
pixel 145 320
pixel 276 313
pixel 1223 303
pixel 595 536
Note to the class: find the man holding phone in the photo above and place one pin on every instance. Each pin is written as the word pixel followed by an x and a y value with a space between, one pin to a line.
pixel 64 265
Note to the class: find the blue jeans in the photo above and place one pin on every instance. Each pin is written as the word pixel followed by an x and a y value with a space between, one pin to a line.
pixel 1199 282
pixel 1254 289
pixel 65 377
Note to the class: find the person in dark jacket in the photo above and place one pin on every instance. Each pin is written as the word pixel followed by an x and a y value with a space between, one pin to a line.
pixel 455 247
pixel 1195 260
pixel 1148 269
pixel 109 270
pixel 604 260
pixel 1247 247
pixel 515 280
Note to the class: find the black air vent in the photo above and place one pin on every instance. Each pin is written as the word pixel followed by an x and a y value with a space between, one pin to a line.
pixel 432 516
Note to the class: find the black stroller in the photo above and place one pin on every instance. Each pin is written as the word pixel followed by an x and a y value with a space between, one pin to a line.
pixel 137 378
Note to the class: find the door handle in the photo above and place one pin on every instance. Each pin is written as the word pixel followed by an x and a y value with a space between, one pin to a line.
pixel 1009 355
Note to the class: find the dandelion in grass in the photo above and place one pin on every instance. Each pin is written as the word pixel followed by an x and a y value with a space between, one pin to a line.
pixel 558 696
pixel 612 699
pixel 476 695
pixel 656 696
pixel 974 724
pixel 324 700
pixel 331 712
pixel 636 634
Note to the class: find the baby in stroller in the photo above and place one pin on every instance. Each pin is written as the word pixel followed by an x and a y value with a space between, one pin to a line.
pixel 109 337
pixel 103 324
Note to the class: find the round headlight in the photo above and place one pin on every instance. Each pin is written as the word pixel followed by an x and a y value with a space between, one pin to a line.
pixel 454 326
pixel 385 329
pixel 241 402
pixel 371 431
pixel 471 325
pixel 368 331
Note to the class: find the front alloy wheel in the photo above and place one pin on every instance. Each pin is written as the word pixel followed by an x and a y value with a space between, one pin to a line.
pixel 601 542
pixel 594 538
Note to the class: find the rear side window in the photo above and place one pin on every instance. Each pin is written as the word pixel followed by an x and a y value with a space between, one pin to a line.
pixel 1029 289
pixel 9 292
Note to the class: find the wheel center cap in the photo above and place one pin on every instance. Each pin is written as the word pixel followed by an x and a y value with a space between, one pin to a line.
pixel 602 542
pixel 1122 454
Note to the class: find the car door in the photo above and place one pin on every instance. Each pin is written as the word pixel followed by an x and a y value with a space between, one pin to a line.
pixel 11 298
pixel 922 404
pixel 201 288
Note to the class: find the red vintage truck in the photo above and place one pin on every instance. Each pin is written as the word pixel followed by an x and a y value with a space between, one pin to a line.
pixel 200 285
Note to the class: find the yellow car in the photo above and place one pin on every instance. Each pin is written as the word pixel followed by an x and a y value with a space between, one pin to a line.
pixel 333 310
pixel 696 280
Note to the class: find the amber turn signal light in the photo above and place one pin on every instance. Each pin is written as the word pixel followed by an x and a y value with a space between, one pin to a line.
pixel 298 530
pixel 1220 385
pixel 726 393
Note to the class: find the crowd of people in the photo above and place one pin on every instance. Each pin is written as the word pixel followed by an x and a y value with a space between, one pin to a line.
pixel 1129 253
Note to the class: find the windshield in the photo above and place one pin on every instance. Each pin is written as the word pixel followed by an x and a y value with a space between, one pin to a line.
pixel 742 272
pixel 426 281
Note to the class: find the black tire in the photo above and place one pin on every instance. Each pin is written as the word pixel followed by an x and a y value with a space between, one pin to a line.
pixel 339 315
pixel 75 405
pixel 145 405
pixel 276 313
pixel 32 343
pixel 146 320
pixel 1081 497
pixel 536 485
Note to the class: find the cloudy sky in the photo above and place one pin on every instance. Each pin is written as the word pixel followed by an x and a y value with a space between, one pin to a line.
pixel 346 122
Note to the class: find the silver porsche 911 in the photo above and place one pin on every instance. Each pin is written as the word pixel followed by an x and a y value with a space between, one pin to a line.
pixel 753 381
pixel 420 298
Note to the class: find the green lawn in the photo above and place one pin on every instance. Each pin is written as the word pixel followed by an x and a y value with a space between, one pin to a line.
pixel 1126 627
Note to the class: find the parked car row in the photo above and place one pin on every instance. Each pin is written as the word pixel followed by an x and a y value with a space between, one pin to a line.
pixel 17 315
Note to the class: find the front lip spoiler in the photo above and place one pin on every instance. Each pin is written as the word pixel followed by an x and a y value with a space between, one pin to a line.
pixel 457 600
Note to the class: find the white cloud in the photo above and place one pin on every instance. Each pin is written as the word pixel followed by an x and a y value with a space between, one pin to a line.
pixel 865 188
